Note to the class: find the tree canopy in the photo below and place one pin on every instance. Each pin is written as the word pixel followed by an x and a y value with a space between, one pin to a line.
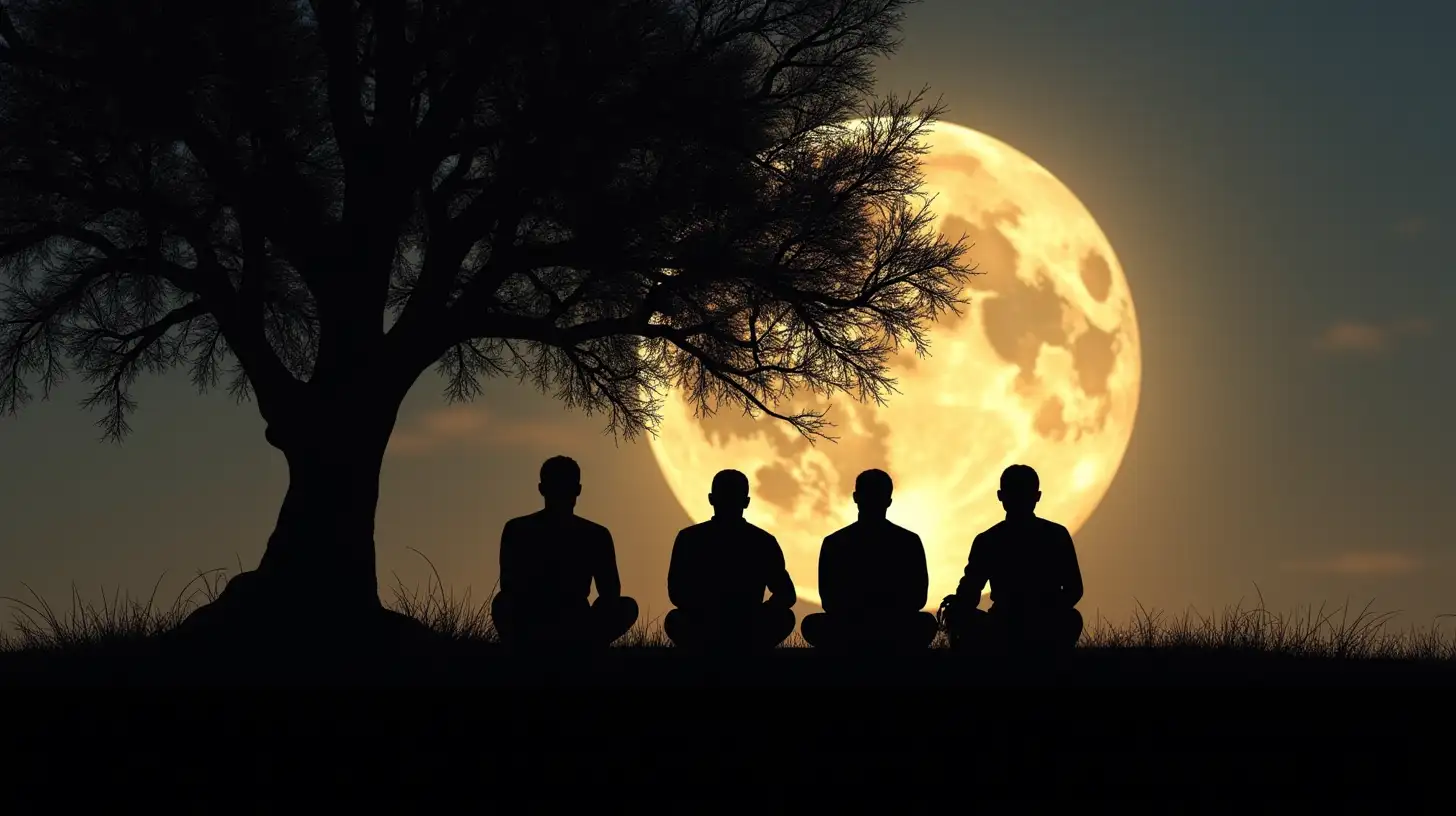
pixel 315 201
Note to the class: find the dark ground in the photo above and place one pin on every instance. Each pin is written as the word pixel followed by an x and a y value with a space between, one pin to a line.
pixel 1194 720
pixel 1180 727
pixel 465 665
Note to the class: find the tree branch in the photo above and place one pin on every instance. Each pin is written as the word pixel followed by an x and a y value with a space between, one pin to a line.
pixel 338 27
pixel 13 42
pixel 450 108
pixel 394 78
pixel 116 367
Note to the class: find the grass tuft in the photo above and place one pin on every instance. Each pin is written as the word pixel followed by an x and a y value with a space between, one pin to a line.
pixel 1308 632
pixel 117 620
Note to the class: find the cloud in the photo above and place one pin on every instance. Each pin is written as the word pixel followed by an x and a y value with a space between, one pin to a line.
pixel 1411 227
pixel 1360 337
pixel 467 425
pixel 1359 563
pixel 1414 327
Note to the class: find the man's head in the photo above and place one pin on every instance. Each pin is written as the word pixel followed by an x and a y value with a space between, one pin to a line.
pixel 730 493
pixel 1020 489
pixel 560 481
pixel 872 491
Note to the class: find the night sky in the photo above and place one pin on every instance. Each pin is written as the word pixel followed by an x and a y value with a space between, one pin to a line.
pixel 1276 180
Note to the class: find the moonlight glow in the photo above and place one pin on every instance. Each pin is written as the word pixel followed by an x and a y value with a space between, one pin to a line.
pixel 1043 367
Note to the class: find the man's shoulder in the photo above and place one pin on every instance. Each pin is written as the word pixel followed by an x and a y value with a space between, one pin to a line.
pixel 573 524
pixel 714 529
pixel 587 526
pixel 1037 525
pixel 993 532
pixel 902 534
pixel 1051 528
pixel 756 532
pixel 693 532
pixel 519 522
pixel 872 534
pixel 841 535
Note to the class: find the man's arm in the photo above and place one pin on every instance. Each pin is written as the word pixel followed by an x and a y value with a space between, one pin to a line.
pixel 510 558
pixel 604 572
pixel 780 585
pixel 1071 578
pixel 828 578
pixel 917 579
pixel 976 575
pixel 681 589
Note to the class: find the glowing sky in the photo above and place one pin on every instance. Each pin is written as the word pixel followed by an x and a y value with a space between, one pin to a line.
pixel 1041 367
pixel 1277 184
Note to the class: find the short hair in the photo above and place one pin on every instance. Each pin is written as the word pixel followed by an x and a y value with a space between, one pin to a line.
pixel 730 483
pixel 874 484
pixel 1020 479
pixel 560 471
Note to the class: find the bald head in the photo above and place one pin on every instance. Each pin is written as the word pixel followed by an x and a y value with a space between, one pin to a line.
pixel 872 490
pixel 1020 490
pixel 560 483
pixel 730 494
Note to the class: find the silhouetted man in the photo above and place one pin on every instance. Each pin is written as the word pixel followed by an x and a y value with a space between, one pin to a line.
pixel 1036 583
pixel 548 561
pixel 873 581
pixel 718 575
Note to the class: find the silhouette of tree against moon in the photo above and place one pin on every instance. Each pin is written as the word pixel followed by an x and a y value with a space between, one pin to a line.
pixel 1020 315
pixel 1018 321
pixel 319 202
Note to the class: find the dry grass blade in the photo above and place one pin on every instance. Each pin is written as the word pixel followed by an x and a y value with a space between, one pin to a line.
pixel 1340 633
pixel 115 620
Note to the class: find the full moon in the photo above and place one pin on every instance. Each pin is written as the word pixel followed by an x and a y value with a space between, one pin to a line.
pixel 1042 367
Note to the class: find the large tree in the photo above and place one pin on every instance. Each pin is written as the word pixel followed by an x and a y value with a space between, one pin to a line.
pixel 316 202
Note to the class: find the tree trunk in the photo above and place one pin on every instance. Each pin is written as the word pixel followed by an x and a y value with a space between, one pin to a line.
pixel 322 548
pixel 318 573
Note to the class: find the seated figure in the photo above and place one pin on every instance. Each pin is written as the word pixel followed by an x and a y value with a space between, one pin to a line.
pixel 1035 580
pixel 717 577
pixel 873 580
pixel 548 562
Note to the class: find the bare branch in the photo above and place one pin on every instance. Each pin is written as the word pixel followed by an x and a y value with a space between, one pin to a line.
pixel 13 41
pixel 614 200
pixel 338 24
pixel 113 361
